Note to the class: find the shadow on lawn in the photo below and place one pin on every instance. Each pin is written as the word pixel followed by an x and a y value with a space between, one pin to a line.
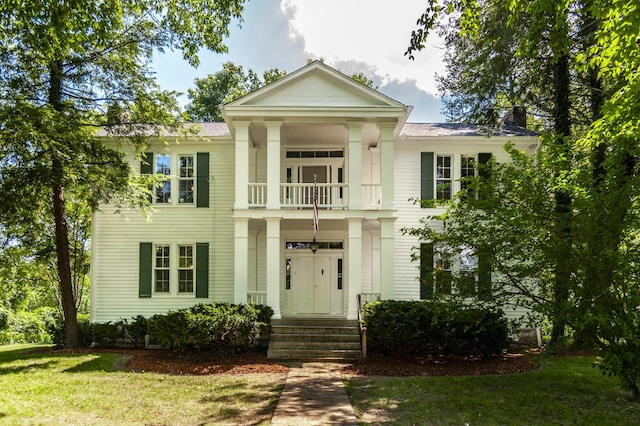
pixel 38 359
pixel 233 400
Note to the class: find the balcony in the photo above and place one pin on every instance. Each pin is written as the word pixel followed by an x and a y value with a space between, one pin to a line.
pixel 330 195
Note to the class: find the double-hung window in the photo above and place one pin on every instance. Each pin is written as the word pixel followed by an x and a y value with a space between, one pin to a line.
pixel 186 185
pixel 467 170
pixel 184 178
pixel 442 175
pixel 443 272
pixel 185 269
pixel 163 169
pixel 174 269
pixel 162 268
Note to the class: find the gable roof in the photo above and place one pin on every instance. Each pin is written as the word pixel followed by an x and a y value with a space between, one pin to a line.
pixel 315 90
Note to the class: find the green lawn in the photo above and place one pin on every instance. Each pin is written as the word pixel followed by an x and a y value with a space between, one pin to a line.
pixel 562 391
pixel 88 389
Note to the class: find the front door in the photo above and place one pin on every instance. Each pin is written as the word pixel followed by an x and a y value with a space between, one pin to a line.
pixel 314 285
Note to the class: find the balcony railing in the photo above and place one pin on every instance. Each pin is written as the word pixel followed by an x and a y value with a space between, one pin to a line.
pixel 300 195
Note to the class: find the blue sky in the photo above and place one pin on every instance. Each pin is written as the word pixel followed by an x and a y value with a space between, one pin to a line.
pixel 368 36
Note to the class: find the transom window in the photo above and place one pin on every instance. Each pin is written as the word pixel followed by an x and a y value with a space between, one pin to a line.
pixel 306 245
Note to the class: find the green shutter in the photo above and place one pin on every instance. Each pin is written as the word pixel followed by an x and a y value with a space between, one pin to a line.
pixel 146 270
pixel 484 278
pixel 426 176
pixel 202 196
pixel 426 270
pixel 202 270
pixel 483 171
pixel 483 159
pixel 146 168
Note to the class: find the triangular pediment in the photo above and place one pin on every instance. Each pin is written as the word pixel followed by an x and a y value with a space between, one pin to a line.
pixel 315 85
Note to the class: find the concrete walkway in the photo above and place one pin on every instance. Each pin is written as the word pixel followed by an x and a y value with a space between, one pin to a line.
pixel 314 395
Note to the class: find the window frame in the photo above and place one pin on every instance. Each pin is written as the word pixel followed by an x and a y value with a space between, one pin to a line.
pixel 174 181
pixel 188 268
pixel 165 269
pixel 174 268
pixel 185 179
pixel 440 181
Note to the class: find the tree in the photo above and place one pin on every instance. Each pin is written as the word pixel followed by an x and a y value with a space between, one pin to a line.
pixel 231 83
pixel 225 86
pixel 581 259
pixel 69 68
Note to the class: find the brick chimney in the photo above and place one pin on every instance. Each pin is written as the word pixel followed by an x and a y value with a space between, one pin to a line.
pixel 516 116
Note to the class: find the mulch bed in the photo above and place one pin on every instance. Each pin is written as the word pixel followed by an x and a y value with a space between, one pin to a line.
pixel 206 362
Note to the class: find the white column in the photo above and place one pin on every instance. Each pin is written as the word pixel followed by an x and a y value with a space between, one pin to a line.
pixel 355 265
pixel 273 164
pixel 355 166
pixel 386 166
pixel 242 165
pixel 375 261
pixel 273 265
pixel 241 261
pixel 387 260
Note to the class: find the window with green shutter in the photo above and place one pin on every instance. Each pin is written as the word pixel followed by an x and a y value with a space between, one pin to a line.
pixel 426 176
pixel 202 161
pixel 202 270
pixel 145 276
pixel 426 270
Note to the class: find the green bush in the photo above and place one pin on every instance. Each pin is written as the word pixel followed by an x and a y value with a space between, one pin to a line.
pixel 27 326
pixel 234 327
pixel 435 325
pixel 57 331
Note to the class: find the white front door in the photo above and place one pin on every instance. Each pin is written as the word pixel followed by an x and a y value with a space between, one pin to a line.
pixel 313 286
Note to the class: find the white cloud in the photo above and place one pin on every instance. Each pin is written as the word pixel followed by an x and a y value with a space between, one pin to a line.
pixel 375 32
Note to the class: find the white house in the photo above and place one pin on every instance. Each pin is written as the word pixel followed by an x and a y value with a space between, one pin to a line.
pixel 234 221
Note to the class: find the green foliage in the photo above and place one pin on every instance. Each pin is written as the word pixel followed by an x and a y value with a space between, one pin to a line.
pixel 234 327
pixel 436 325
pixel 69 69
pixel 222 87
pixel 27 326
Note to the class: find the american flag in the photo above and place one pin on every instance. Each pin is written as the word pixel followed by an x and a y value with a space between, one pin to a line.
pixel 316 226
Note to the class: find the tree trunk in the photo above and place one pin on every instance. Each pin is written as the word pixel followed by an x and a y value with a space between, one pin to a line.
pixel 67 296
pixel 563 261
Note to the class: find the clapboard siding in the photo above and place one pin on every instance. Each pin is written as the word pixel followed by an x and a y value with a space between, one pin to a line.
pixel 117 237
pixel 407 186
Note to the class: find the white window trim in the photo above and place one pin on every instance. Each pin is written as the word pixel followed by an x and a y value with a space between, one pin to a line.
pixel 174 267
pixel 174 179
pixel 456 170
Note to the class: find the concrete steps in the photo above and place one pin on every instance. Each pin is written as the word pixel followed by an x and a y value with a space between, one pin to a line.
pixel 318 339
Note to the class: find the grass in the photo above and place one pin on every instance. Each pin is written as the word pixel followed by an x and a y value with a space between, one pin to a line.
pixel 562 391
pixel 91 389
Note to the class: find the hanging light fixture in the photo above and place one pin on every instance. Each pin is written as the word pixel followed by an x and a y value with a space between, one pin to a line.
pixel 314 245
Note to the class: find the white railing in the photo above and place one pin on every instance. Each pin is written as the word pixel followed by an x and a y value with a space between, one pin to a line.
pixel 257 194
pixel 257 297
pixel 330 195
pixel 371 196
pixel 369 297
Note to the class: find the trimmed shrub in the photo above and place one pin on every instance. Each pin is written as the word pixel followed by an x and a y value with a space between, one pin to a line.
pixel 435 325
pixel 233 327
